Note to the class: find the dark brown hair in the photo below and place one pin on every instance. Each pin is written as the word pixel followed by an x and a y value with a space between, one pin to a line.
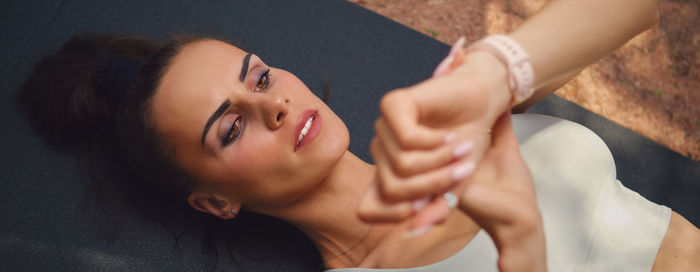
pixel 78 106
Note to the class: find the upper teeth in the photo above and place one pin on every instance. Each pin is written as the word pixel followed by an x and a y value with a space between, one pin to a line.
pixel 305 129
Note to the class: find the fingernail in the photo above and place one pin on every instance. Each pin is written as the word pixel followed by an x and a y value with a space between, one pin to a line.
pixel 420 203
pixel 458 44
pixel 462 171
pixel 449 137
pixel 444 64
pixel 462 149
pixel 419 231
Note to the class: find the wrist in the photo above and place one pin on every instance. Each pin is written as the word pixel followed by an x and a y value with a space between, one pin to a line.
pixel 493 75
pixel 525 251
pixel 520 73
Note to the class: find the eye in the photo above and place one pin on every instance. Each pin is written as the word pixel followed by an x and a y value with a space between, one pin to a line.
pixel 233 132
pixel 263 81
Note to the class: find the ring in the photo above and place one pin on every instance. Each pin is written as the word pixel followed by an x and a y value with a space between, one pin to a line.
pixel 451 199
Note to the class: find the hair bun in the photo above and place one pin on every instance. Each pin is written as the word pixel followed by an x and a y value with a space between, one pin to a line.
pixel 114 76
pixel 70 96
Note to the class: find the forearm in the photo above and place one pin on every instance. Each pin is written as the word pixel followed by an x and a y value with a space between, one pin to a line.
pixel 567 35
pixel 543 91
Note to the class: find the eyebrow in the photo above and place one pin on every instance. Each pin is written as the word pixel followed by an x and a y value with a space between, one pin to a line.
pixel 220 111
pixel 244 67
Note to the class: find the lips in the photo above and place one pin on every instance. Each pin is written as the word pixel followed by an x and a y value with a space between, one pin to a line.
pixel 307 133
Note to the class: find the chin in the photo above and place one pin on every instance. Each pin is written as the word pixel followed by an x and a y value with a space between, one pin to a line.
pixel 336 141
pixel 334 144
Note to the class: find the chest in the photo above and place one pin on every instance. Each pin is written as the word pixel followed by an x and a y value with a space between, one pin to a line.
pixel 443 241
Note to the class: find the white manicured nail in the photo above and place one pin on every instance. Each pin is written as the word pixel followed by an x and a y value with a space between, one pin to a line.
pixel 442 67
pixel 462 171
pixel 419 231
pixel 420 203
pixel 462 149
pixel 449 137
pixel 458 44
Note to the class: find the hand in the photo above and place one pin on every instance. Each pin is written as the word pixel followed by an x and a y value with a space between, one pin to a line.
pixel 464 99
pixel 500 198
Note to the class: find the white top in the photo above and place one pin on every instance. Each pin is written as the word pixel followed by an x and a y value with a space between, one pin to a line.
pixel 591 221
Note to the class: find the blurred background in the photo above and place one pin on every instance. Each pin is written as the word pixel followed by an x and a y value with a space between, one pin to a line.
pixel 650 85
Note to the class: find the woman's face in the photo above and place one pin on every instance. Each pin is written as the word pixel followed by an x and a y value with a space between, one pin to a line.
pixel 235 125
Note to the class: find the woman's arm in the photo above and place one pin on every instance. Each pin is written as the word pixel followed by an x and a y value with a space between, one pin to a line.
pixel 564 36
pixel 567 35
pixel 466 100
pixel 543 91
pixel 680 248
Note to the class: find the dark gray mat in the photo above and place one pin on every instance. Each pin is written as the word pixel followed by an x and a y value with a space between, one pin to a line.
pixel 361 54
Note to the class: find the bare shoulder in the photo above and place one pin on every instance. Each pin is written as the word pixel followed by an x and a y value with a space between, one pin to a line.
pixel 680 248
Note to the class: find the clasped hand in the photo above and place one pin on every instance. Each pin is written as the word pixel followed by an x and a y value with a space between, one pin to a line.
pixel 453 133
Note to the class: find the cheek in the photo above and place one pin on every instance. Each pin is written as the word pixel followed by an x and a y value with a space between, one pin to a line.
pixel 259 171
pixel 258 157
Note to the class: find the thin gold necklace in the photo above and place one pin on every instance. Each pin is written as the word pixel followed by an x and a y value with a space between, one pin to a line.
pixel 349 249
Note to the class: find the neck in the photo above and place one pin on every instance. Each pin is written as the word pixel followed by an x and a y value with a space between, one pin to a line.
pixel 327 214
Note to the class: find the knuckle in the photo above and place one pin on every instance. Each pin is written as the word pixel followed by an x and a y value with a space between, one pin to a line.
pixel 391 191
pixel 370 208
pixel 404 212
pixel 378 125
pixel 373 146
pixel 385 100
pixel 406 138
pixel 386 184
pixel 395 195
pixel 388 100
pixel 443 181
pixel 432 184
pixel 367 215
pixel 403 164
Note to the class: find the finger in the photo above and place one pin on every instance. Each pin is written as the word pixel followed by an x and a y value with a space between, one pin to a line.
pixel 453 59
pixel 444 66
pixel 434 214
pixel 477 134
pixel 458 58
pixel 394 188
pixel 458 46
pixel 400 111
pixel 410 162
pixel 373 209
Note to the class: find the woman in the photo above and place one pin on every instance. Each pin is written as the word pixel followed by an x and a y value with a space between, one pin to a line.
pixel 201 122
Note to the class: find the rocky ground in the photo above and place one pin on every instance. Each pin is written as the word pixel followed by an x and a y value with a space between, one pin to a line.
pixel 650 85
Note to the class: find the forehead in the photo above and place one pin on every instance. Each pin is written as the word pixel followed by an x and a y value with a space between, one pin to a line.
pixel 199 78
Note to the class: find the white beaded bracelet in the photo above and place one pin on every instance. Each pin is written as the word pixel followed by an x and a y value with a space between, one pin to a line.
pixel 520 74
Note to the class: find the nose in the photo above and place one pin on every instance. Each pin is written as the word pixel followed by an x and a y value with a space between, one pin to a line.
pixel 274 109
